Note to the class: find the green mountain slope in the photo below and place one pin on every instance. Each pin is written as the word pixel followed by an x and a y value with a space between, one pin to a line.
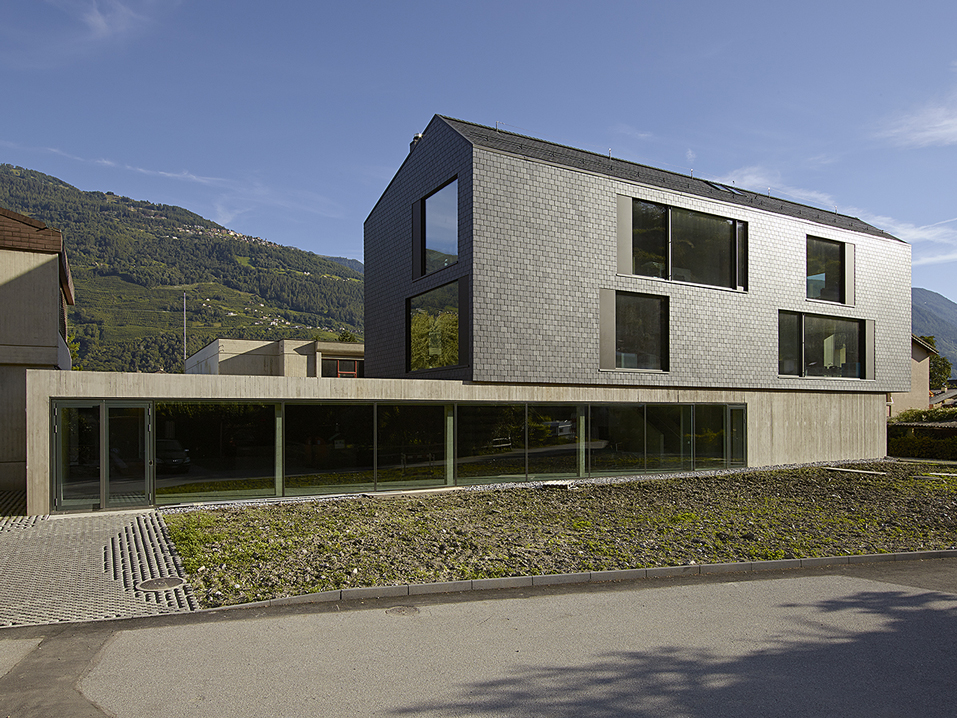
pixel 132 262
pixel 935 315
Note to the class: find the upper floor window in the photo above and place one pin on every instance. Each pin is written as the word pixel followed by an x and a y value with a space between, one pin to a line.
pixel 655 240
pixel 816 346
pixel 830 270
pixel 634 331
pixel 435 226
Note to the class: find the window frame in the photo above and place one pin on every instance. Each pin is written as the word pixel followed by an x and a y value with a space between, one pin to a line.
pixel 460 291
pixel 845 275
pixel 420 232
pixel 738 244
pixel 609 337
pixel 865 348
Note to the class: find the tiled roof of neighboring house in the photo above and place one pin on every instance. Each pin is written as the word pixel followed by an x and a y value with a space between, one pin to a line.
pixel 25 234
pixel 509 142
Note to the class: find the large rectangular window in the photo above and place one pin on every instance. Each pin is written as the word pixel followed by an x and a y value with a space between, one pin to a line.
pixel 816 346
pixel 434 328
pixel 830 271
pixel 641 331
pixel 682 245
pixel 435 228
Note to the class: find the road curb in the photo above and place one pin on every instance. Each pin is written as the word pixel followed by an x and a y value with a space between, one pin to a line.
pixel 637 574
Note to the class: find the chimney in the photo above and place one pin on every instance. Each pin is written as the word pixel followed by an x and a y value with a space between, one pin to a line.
pixel 415 141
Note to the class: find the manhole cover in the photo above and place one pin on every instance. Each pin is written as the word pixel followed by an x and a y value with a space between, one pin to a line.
pixel 160 584
pixel 402 611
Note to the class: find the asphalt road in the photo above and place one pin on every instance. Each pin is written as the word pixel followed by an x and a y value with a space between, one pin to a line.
pixel 855 640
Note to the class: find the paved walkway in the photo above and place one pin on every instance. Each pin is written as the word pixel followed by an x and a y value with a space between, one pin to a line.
pixel 86 567
pixel 853 640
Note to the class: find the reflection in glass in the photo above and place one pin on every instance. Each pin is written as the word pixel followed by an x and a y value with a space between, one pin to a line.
pixel 825 270
pixel 434 328
pixel 641 331
pixel 789 343
pixel 127 465
pixel 832 347
pixel 442 228
pixel 231 446
pixel 617 440
pixel 328 448
pixel 739 434
pixel 709 436
pixel 490 443
pixel 649 226
pixel 554 435
pixel 78 466
pixel 702 248
pixel 411 445
pixel 668 437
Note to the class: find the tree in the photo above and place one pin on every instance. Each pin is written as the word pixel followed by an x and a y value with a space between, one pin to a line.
pixel 939 367
pixel 347 336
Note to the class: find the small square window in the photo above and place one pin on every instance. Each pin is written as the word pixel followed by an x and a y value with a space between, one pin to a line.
pixel 634 331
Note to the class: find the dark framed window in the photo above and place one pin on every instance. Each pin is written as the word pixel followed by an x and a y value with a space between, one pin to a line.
pixel 656 240
pixel 435 229
pixel 830 271
pixel 343 368
pixel 810 345
pixel 641 332
pixel 434 328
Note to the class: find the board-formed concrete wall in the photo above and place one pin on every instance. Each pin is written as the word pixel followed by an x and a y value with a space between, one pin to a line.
pixel 783 427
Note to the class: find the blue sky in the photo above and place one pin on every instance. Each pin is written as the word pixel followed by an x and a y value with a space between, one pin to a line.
pixel 286 120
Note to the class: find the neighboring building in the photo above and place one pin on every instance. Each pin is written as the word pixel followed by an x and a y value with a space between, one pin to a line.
pixel 35 288
pixel 285 357
pixel 498 258
pixel 919 396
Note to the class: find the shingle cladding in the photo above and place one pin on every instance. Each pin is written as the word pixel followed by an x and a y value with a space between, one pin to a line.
pixel 441 155
pixel 538 237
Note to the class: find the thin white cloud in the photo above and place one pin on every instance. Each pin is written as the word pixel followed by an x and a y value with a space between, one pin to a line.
pixel 629 131
pixel 931 243
pixel 932 125
pixel 56 32
pixel 690 156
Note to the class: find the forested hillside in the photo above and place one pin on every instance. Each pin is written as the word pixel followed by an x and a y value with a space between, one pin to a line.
pixel 935 315
pixel 133 261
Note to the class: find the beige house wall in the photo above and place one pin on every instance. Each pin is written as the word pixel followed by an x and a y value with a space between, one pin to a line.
pixel 285 357
pixel 29 338
pixel 783 427
pixel 919 395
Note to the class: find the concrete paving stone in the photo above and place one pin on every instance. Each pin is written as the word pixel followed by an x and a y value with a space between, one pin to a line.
pixel 872 558
pixel 776 564
pixel 419 589
pixel 351 594
pixel 666 571
pixel 86 567
pixel 483 584
pixel 744 566
pixel 823 561
pixel 628 574
pixel 560 578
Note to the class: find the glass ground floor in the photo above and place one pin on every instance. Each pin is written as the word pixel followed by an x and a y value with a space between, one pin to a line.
pixel 113 453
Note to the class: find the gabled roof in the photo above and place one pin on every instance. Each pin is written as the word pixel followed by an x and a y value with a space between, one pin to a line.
pixel 520 145
pixel 25 234
pixel 926 345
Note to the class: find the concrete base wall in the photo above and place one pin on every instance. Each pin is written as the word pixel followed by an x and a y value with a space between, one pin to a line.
pixel 783 427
